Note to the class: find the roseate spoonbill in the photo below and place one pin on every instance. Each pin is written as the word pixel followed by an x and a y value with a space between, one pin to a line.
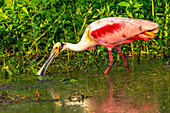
pixel 110 32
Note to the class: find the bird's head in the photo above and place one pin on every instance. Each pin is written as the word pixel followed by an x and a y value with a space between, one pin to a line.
pixel 57 49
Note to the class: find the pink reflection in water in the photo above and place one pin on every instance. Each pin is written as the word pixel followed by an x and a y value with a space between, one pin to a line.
pixel 119 105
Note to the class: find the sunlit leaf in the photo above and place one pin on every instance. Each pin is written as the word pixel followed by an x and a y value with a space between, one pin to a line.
pixel 25 10
pixel 137 4
pixel 73 80
pixel 123 3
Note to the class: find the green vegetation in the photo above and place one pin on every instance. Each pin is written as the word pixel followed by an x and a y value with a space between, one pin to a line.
pixel 29 28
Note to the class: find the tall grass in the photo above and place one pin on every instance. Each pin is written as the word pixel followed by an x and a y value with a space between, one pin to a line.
pixel 28 30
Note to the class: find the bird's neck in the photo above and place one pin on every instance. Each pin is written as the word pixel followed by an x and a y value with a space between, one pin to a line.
pixel 84 44
pixel 81 46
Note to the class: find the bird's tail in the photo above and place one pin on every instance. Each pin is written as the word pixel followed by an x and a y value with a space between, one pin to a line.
pixel 147 35
pixel 150 34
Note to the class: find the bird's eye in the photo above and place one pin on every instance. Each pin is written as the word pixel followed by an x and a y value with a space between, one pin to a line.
pixel 56 49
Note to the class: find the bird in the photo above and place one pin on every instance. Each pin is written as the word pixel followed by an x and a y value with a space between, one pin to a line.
pixel 110 32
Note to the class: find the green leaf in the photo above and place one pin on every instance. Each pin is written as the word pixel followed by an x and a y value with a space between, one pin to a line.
pixel 7 37
pixel 25 10
pixel 44 1
pixel 137 5
pixel 42 12
pixel 17 53
pixel 160 43
pixel 73 80
pixel 108 7
pixel 123 3
pixel 33 60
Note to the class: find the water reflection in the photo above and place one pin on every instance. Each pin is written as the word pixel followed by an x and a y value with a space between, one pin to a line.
pixel 145 90
pixel 110 103
pixel 84 103
pixel 113 104
pixel 118 104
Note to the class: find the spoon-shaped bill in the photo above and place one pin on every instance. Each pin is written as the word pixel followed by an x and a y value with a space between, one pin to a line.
pixel 47 63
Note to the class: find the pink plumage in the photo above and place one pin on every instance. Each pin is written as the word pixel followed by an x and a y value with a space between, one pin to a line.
pixel 117 29
pixel 114 31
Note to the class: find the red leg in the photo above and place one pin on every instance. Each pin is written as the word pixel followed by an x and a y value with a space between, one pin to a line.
pixel 110 59
pixel 118 49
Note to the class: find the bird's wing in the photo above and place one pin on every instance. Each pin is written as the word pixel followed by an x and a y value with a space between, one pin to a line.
pixel 117 29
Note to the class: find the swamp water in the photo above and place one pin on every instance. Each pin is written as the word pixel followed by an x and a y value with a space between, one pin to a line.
pixel 145 90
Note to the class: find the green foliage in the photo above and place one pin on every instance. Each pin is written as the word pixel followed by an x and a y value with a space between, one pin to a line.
pixel 29 28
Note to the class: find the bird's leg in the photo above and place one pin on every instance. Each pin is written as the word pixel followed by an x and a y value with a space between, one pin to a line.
pixel 139 52
pixel 118 49
pixel 111 61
